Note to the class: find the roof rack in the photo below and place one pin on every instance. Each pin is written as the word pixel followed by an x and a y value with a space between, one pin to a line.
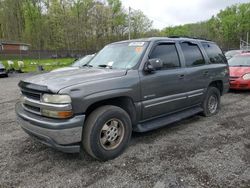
pixel 199 38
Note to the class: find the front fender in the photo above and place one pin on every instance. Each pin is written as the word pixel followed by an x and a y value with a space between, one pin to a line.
pixel 86 94
pixel 107 95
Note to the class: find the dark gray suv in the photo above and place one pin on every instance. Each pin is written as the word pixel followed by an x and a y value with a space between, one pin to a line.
pixel 137 85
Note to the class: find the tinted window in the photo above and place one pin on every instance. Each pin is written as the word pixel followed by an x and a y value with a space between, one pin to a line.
pixel 168 54
pixel 192 54
pixel 214 53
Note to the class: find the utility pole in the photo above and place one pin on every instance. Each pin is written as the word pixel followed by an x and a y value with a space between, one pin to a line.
pixel 129 23
pixel 248 40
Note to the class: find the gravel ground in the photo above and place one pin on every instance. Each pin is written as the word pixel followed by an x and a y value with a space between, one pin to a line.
pixel 197 152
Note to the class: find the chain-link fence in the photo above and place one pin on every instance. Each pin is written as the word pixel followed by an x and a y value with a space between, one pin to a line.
pixel 43 54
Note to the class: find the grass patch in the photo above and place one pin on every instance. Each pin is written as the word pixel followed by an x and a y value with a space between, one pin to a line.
pixel 30 65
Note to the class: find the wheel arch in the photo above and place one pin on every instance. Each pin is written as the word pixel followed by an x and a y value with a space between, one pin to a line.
pixel 217 84
pixel 124 102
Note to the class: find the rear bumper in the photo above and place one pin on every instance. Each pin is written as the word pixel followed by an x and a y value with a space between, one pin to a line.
pixel 240 84
pixel 64 135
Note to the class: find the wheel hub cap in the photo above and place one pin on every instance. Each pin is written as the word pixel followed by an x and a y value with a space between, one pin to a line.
pixel 212 104
pixel 112 134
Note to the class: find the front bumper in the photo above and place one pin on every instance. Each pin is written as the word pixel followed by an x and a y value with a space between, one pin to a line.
pixel 240 84
pixel 64 135
pixel 3 73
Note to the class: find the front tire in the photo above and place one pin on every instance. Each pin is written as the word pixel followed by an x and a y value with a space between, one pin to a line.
pixel 211 103
pixel 107 132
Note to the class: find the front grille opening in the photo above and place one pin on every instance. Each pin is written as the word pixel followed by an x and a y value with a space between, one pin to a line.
pixel 32 108
pixel 35 96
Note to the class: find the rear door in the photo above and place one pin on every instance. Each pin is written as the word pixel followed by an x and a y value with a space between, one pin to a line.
pixel 197 71
pixel 163 91
pixel 217 63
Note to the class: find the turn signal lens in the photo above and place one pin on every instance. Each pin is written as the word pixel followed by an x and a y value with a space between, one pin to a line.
pixel 57 114
pixel 67 114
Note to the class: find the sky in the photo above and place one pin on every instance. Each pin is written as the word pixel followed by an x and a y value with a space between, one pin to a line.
pixel 177 12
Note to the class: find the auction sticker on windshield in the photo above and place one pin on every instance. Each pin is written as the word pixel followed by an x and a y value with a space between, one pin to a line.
pixel 138 49
pixel 136 44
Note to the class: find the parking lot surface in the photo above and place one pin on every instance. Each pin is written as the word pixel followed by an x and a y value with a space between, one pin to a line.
pixel 196 152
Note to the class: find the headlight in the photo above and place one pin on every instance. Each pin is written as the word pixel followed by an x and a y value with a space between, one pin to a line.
pixel 59 111
pixel 56 99
pixel 246 76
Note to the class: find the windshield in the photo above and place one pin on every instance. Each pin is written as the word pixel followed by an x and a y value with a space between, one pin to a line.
pixel 239 61
pixel 83 61
pixel 232 53
pixel 119 56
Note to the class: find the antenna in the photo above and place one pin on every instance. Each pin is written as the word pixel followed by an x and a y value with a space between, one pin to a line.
pixel 129 23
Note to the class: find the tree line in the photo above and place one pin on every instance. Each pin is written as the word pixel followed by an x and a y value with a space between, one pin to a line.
pixel 69 24
pixel 90 24
pixel 227 28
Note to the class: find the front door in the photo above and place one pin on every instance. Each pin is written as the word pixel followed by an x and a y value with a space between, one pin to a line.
pixel 163 91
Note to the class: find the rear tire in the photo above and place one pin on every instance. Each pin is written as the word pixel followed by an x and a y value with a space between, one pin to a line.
pixel 107 132
pixel 211 103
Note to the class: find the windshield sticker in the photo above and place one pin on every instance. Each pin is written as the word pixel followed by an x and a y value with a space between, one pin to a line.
pixel 138 49
pixel 136 44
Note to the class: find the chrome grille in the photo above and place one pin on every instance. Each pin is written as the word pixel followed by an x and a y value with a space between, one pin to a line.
pixel 31 95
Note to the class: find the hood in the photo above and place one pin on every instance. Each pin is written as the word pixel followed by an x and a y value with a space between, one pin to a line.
pixel 238 71
pixel 55 81
pixel 65 69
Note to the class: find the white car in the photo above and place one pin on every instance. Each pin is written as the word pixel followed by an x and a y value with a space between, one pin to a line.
pixel 77 64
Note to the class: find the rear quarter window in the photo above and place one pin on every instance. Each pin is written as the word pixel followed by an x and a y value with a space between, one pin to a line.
pixel 214 53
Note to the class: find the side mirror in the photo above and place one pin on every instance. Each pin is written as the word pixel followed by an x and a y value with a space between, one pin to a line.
pixel 153 65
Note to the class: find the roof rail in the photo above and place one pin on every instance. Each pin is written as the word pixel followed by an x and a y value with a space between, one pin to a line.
pixel 188 37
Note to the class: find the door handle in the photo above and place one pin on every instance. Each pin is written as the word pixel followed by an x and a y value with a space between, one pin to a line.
pixel 181 76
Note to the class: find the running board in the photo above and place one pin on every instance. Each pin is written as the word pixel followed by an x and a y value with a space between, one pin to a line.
pixel 166 120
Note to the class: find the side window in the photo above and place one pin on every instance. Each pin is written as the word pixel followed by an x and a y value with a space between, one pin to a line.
pixel 214 53
pixel 168 54
pixel 192 54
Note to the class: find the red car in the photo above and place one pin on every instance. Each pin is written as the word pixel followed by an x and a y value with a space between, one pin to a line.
pixel 240 72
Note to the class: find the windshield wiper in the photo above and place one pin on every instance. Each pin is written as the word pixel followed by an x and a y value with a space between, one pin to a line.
pixel 105 66
pixel 87 65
